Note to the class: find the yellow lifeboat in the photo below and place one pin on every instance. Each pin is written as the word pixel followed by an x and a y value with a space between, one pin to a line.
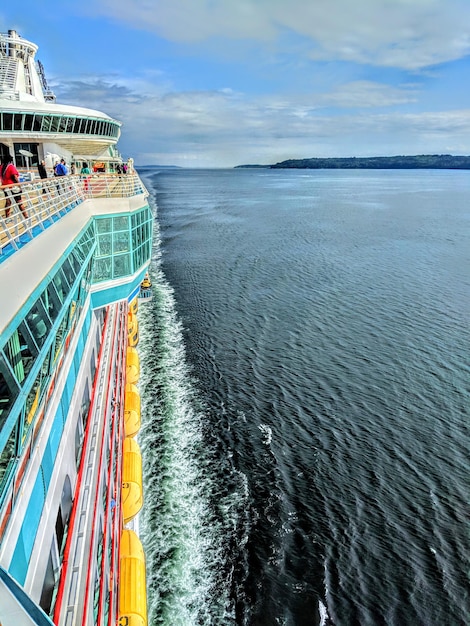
pixel 132 330
pixel 146 289
pixel 132 365
pixel 134 305
pixel 132 498
pixel 146 283
pixel 131 410
pixel 132 583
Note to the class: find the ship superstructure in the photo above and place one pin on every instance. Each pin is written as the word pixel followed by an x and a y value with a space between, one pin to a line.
pixel 70 275
pixel 34 127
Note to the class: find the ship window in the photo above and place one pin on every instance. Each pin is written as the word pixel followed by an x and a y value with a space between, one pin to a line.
pixel 47 593
pixel 37 122
pixel 102 269
pixel 74 262
pixel 17 121
pixel 46 123
pixel 121 223
pixel 38 322
pixel 98 579
pixel 7 457
pixel 52 301
pixel 137 237
pixel 120 242
pixel 8 390
pixel 60 337
pixel 104 245
pixel 20 159
pixel 104 225
pixel 80 253
pixel 7 121
pixel 70 123
pixel 35 395
pixel 121 265
pixel 21 352
pixel 78 442
pixel 55 123
pixel 68 271
pixel 60 284
pixel 28 122
pixel 93 363
pixel 32 404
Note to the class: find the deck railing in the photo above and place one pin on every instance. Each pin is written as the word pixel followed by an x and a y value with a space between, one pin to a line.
pixel 45 201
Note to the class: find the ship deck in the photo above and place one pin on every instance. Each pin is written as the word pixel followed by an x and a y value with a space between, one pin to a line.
pixel 47 201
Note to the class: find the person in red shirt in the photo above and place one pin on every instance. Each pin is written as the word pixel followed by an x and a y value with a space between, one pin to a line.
pixel 9 176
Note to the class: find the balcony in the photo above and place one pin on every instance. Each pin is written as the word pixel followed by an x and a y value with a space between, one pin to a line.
pixel 47 201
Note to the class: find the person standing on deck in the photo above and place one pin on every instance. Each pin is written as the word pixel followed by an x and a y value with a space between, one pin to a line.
pixel 11 178
pixel 42 170
pixel 85 173
pixel 61 169
pixel 42 173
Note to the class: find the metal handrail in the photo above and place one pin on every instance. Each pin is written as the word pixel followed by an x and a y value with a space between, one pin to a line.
pixel 45 201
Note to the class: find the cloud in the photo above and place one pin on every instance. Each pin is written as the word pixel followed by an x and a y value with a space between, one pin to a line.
pixel 364 93
pixel 225 128
pixel 407 34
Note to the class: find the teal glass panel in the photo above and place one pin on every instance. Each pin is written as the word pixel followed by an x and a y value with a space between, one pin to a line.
pixel 121 242
pixel 8 390
pixel 52 301
pixel 61 285
pixel 104 245
pixel 21 352
pixel 121 223
pixel 104 225
pixel 7 458
pixel 121 265
pixel 102 269
pixel 69 272
pixel 38 323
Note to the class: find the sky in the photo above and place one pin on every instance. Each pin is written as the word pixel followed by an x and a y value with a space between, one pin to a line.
pixel 219 83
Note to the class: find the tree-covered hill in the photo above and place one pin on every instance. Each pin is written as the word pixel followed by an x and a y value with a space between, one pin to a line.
pixel 421 161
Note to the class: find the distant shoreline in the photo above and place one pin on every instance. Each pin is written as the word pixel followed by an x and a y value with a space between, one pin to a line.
pixel 421 161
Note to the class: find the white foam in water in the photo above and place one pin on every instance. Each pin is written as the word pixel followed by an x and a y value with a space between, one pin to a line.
pixel 183 542
pixel 323 613
pixel 267 432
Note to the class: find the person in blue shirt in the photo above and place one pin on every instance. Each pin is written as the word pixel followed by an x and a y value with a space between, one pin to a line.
pixel 61 169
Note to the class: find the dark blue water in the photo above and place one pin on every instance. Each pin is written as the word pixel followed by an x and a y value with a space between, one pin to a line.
pixel 306 390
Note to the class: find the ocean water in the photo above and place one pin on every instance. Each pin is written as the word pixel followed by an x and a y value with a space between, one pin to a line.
pixel 306 387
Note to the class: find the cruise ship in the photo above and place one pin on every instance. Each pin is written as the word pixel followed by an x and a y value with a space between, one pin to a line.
pixel 71 266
